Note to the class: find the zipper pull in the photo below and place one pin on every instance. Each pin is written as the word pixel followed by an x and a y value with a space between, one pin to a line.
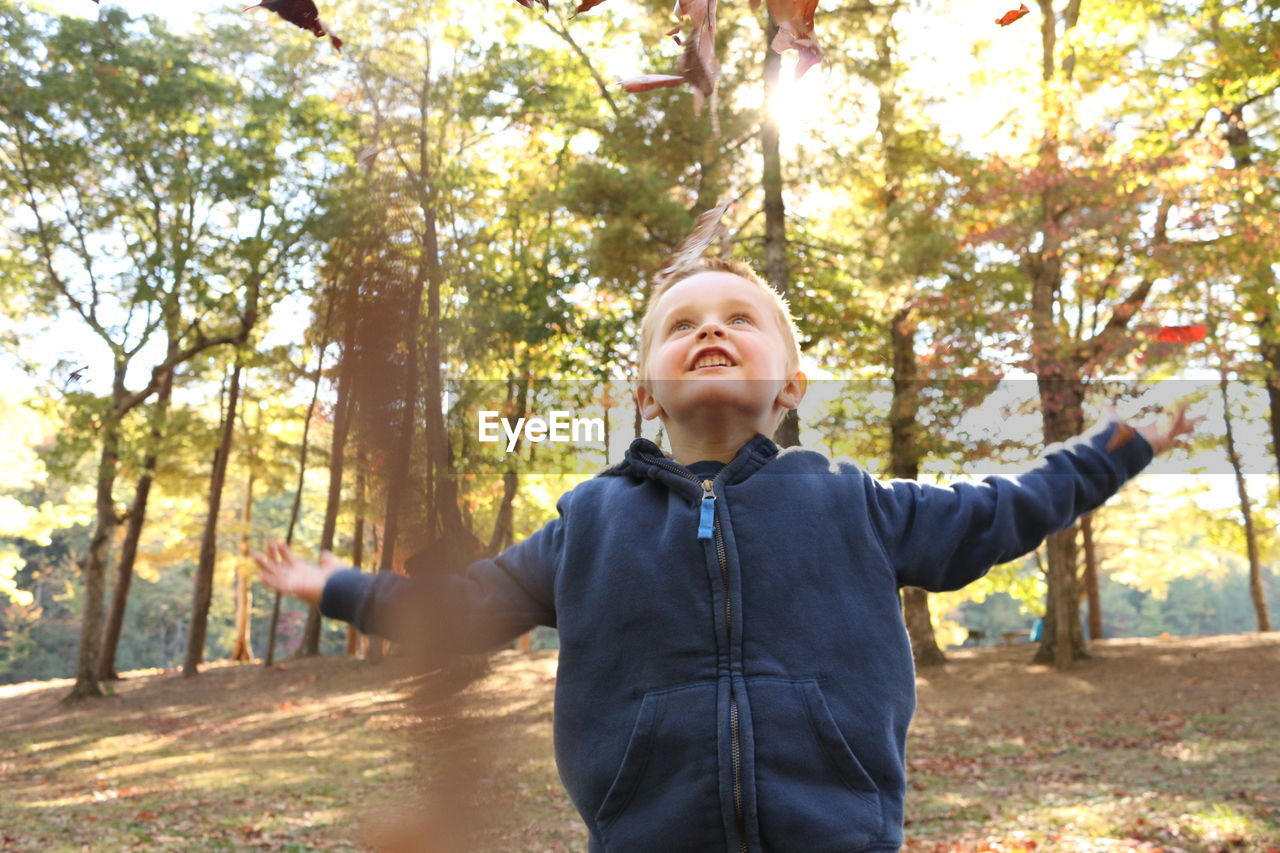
pixel 707 518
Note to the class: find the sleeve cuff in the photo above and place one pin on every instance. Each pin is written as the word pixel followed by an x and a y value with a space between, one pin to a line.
pixel 344 595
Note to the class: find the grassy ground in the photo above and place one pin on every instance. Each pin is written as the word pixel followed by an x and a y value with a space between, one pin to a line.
pixel 1152 745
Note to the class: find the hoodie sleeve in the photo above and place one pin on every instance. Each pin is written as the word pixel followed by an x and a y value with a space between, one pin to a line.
pixel 494 601
pixel 942 538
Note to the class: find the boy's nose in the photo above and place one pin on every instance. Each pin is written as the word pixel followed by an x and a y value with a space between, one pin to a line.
pixel 711 327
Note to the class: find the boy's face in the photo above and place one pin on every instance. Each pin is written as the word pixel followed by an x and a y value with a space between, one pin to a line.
pixel 717 343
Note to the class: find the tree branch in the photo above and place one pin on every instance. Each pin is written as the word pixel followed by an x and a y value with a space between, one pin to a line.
pixel 563 32
pixel 1111 334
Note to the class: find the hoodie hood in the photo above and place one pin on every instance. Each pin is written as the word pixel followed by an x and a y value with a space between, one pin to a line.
pixel 644 460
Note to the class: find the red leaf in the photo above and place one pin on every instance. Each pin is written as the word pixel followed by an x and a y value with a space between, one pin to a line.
pixel 651 81
pixel 1014 14
pixel 1182 334
pixel 585 5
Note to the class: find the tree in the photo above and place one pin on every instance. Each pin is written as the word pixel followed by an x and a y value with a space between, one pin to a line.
pixel 126 149
pixel 1091 255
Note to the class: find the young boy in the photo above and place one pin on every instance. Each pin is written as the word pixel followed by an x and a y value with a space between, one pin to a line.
pixel 734 673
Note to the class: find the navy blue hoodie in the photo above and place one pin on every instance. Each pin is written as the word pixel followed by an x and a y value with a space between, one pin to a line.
pixel 734 672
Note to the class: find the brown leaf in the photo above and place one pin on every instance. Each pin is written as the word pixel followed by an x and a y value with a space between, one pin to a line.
pixel 300 13
pixel 707 229
pixel 585 5
pixel 651 81
pixel 698 63
pixel 795 30
pixel 1120 437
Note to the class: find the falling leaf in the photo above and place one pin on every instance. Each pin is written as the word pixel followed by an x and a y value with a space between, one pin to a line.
pixel 300 13
pixel 707 229
pixel 75 377
pixel 367 156
pixel 651 81
pixel 795 31
pixel 1012 15
pixel 1182 334
pixel 1120 437
pixel 698 63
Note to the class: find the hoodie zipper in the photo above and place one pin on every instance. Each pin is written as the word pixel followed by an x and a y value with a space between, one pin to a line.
pixel 706 525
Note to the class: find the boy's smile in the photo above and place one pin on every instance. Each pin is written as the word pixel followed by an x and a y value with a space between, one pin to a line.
pixel 712 358
pixel 720 331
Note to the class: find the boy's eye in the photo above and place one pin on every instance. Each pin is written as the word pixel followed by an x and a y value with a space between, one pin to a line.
pixel 681 325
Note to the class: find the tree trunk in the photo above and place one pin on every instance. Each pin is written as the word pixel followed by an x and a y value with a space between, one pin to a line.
pixel 1061 398
pixel 357 543
pixel 904 463
pixel 904 429
pixel 1246 511
pixel 504 525
pixel 1269 335
pixel 777 272
pixel 95 561
pixel 444 488
pixel 402 454
pixel 311 633
pixel 1054 362
pixel 203 594
pixel 242 649
pixel 1091 578
pixel 337 455
pixel 129 551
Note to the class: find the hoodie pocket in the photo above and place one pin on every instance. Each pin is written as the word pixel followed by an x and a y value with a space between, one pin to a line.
pixel 813 794
pixel 665 795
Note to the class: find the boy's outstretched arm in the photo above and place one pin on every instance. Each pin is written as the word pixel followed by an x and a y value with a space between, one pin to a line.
pixel 942 538
pixel 496 600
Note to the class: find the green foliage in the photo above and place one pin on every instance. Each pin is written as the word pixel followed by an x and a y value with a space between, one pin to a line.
pixel 163 173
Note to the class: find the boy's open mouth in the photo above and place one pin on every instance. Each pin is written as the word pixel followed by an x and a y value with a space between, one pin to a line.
pixel 712 358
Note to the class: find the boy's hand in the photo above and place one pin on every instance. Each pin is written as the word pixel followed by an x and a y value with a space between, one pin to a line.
pixel 1163 436
pixel 285 573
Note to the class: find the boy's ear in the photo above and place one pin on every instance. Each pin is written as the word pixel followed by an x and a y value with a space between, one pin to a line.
pixel 793 392
pixel 648 405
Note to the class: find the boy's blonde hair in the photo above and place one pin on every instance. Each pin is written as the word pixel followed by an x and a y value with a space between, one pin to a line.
pixel 782 311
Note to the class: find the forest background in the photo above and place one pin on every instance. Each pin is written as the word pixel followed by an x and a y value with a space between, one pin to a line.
pixel 253 287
